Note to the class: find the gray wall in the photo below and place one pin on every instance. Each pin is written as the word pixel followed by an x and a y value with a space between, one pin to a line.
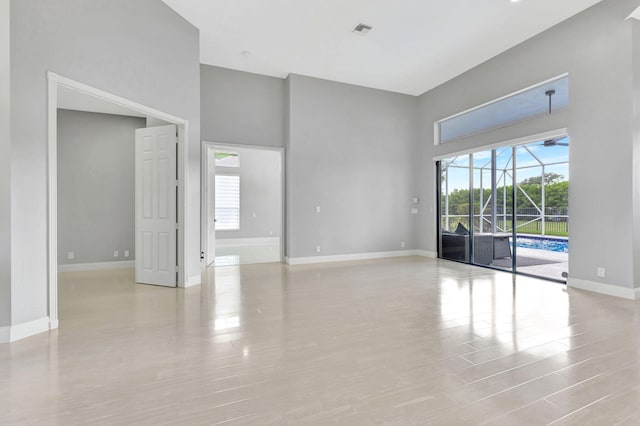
pixel 155 122
pixel 141 50
pixel 241 108
pixel 595 48
pixel 96 211
pixel 260 194
pixel 349 151
pixel 5 168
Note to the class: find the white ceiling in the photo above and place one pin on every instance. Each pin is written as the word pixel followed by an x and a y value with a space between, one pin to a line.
pixel 415 45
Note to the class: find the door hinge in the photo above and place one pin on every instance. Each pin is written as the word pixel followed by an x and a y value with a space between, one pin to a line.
pixel 177 182
pixel 177 227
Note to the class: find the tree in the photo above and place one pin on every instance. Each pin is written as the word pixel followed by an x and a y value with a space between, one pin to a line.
pixel 548 179
pixel 556 196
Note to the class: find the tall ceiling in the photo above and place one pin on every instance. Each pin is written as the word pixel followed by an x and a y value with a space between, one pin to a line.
pixel 414 45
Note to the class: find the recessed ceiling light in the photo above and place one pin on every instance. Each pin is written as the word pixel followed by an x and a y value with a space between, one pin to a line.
pixel 362 28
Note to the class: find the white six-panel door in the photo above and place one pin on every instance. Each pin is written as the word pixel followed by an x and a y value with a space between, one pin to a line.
pixel 155 202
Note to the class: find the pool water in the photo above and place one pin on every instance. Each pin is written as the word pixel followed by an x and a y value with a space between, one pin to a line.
pixel 544 243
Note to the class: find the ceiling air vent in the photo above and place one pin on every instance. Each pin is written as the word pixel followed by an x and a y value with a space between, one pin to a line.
pixel 362 29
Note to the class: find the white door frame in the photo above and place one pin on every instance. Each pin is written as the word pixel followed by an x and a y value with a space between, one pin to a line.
pixel 208 147
pixel 54 81
pixel 205 244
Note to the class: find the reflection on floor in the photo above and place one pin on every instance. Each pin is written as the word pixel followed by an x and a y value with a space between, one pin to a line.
pixel 397 341
pixel 247 251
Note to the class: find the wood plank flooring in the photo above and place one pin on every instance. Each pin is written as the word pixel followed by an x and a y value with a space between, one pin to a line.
pixel 406 341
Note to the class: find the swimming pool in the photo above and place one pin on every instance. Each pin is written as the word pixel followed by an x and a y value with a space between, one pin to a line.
pixel 544 243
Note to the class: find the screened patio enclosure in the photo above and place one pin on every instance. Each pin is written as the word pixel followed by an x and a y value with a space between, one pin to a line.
pixel 507 208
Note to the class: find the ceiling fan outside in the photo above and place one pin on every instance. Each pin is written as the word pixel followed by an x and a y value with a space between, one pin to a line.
pixel 554 142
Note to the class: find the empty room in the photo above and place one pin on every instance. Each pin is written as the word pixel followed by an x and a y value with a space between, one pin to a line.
pixel 320 212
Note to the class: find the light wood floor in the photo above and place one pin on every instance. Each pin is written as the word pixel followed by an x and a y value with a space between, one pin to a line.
pixel 401 341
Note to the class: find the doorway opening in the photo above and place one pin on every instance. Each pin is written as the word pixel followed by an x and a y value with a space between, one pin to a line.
pixel 242 205
pixel 507 208
pixel 97 100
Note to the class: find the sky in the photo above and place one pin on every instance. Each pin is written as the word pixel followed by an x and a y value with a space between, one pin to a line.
pixel 459 177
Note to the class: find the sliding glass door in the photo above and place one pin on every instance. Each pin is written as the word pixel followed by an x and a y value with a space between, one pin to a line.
pixel 503 232
pixel 484 196
pixel 454 216
pixel 542 195
pixel 507 208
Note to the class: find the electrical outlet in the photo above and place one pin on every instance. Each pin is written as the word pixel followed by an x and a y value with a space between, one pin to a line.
pixel 70 255
pixel 115 253
pixel 402 244
pixel 317 209
pixel 126 253
pixel 414 211
pixel 317 249
pixel 601 272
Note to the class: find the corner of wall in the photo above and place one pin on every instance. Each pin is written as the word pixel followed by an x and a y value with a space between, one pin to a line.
pixel 5 164
pixel 286 116
pixel 635 52
pixel 21 331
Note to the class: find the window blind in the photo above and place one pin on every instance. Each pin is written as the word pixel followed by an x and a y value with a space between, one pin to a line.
pixel 227 202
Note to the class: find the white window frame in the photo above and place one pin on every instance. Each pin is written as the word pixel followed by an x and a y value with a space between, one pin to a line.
pixel 437 124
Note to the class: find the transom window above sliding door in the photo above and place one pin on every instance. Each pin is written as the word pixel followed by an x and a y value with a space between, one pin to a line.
pixel 536 101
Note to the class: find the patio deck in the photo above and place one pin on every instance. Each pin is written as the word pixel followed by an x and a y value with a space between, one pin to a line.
pixel 542 263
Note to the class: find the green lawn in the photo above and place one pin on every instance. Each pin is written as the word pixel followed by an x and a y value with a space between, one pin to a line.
pixel 557 229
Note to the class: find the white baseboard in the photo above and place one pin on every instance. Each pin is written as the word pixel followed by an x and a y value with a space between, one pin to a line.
pixel 243 242
pixel 26 329
pixel 96 266
pixel 193 280
pixel 349 257
pixel 602 288
pixel 425 253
